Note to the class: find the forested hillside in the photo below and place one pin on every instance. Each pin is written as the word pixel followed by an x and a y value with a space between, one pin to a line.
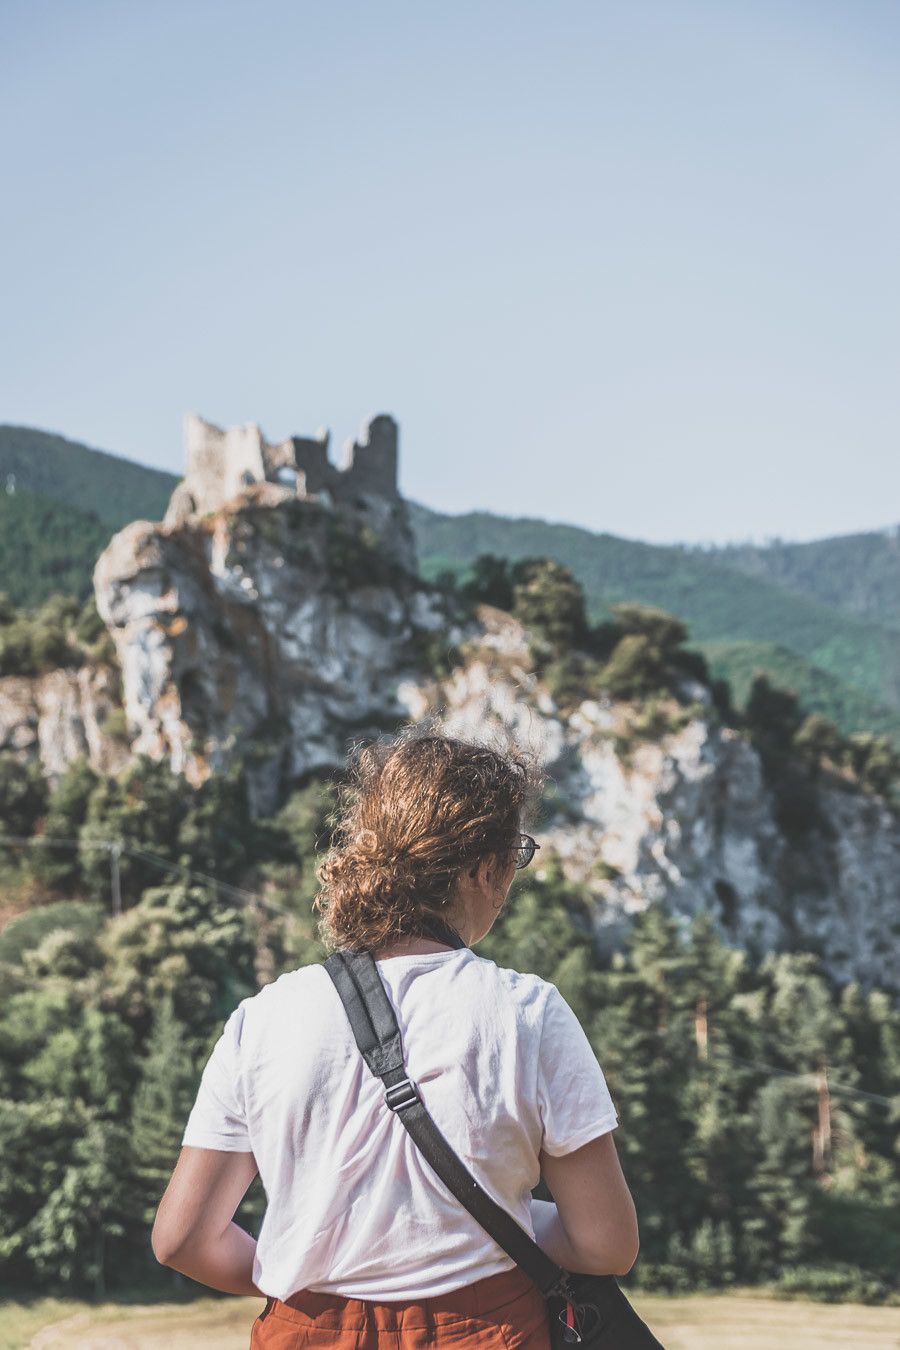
pixel 758 1103
pixel 817 690
pixel 104 485
pixel 47 547
pixel 856 573
pixel 718 604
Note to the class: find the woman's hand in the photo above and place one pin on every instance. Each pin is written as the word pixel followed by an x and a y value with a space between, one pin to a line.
pixel 193 1231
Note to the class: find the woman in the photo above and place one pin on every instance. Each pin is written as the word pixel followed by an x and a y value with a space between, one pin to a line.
pixel 361 1245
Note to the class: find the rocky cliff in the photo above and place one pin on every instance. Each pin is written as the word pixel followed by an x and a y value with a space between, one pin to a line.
pixel 61 715
pixel 275 628
pixel 282 628
pixel 684 817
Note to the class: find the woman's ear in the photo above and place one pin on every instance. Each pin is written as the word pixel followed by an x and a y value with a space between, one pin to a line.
pixel 487 871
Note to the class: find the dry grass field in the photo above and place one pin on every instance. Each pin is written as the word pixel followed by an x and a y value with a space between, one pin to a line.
pixel 738 1321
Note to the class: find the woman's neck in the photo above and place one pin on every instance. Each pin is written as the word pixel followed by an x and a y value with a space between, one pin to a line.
pixel 411 947
pixel 438 935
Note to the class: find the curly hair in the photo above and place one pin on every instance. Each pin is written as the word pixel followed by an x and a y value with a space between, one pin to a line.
pixel 414 811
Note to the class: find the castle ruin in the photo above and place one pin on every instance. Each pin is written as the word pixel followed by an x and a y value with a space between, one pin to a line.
pixel 221 464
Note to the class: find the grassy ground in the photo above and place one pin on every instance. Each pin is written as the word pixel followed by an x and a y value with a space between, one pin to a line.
pixel 736 1321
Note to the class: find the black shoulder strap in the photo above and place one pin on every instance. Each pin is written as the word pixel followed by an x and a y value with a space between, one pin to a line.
pixel 377 1034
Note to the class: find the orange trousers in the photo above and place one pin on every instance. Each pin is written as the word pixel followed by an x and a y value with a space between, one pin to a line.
pixel 502 1312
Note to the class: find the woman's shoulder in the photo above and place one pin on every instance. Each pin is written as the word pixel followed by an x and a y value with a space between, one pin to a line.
pixel 529 992
pixel 302 984
pixel 303 991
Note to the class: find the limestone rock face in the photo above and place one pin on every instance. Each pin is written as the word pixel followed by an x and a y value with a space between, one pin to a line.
pixel 283 627
pixel 276 627
pixel 61 715
pixel 685 818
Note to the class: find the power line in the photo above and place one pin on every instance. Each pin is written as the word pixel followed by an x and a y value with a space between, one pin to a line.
pixel 789 1073
pixel 180 869
pixel 117 847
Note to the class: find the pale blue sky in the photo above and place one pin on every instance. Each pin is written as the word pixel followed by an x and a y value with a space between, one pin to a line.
pixel 630 265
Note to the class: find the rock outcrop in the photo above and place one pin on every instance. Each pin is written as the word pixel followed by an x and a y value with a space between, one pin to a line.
pixel 283 626
pixel 685 818
pixel 61 715
pixel 276 627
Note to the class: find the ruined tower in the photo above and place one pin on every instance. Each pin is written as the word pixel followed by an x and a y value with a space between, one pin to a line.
pixel 221 464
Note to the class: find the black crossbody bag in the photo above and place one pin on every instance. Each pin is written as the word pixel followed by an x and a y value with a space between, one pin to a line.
pixel 588 1310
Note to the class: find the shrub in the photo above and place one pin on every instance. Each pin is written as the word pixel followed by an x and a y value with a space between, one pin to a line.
pixel 653 720
pixel 54 635
pixel 634 669
pixel 23 794
pixel 549 602
pixel 115 725
pixel 433 651
pixel 817 739
pixel 489 582
pixel 27 931
pixel 874 760
pixel 664 631
pixel 837 1283
pixel 772 714
pixel 572 678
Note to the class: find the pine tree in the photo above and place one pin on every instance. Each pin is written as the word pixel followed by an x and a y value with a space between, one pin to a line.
pixel 717 1150
pixel 638 1035
pixel 779 1232
pixel 162 1103
pixel 73 1234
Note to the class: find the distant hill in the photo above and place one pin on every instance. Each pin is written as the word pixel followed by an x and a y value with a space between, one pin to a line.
pixel 856 573
pixel 718 603
pixel 46 547
pixel 817 690
pixel 110 488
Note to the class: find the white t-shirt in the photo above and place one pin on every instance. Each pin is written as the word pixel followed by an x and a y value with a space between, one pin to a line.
pixel 503 1067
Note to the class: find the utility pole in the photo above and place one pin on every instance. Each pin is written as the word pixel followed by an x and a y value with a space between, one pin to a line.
pixel 114 854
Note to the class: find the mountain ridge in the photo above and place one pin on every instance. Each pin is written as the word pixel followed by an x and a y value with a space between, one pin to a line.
pixel 851 663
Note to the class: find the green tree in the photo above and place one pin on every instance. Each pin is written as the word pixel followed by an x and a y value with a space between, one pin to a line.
pixel 23 794
pixel 143 808
pixel 817 739
pixel 774 715
pixel 875 761
pixel 184 942
pixel 664 630
pixel 168 1085
pixel 544 930
pixel 549 603
pixel 489 581
pixel 718 1137
pixel 216 835
pixel 634 669
pixel 69 1238
pixel 58 865
pixel 647 655
pixel 638 1035
pixel 779 1231
pixel 37 1139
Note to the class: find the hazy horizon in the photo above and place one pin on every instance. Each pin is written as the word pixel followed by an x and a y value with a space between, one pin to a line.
pixel 892 528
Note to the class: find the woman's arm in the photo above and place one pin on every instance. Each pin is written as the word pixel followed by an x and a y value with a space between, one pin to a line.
pixel 592 1226
pixel 193 1231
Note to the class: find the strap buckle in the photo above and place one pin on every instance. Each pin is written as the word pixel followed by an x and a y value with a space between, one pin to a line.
pixel 401 1094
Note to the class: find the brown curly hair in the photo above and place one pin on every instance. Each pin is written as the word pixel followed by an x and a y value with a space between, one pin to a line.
pixel 414 811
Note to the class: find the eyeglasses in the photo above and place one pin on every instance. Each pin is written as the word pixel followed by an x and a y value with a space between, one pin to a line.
pixel 524 850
